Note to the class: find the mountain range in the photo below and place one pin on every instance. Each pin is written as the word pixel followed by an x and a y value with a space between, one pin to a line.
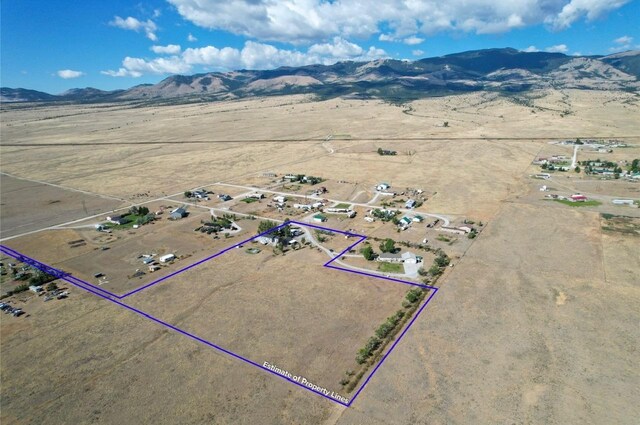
pixel 506 70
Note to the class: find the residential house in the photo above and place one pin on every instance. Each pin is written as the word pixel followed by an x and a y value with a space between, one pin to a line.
pixel 178 213
pixel 390 258
pixel 118 219
pixel 411 258
pixel 200 194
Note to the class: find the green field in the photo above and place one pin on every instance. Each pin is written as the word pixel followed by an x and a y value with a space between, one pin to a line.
pixel 391 268
pixel 591 203
pixel 342 205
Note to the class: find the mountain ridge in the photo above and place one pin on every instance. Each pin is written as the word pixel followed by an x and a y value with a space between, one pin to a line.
pixel 500 69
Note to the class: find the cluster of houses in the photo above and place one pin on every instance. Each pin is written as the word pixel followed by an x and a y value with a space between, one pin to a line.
pixel 576 197
pixel 345 211
pixel 149 261
pixel 290 240
pixel 302 178
pixel 555 162
pixel 200 194
pixel 307 207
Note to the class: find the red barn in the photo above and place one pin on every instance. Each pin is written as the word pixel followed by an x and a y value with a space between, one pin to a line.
pixel 578 198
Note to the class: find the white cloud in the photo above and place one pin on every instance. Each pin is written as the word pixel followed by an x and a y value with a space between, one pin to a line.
pixel 531 49
pixel 577 9
pixel 417 52
pixel 122 72
pixel 149 27
pixel 170 49
pixel 312 21
pixel 191 38
pixel 253 55
pixel 413 40
pixel 625 39
pixel 622 43
pixel 69 73
pixel 558 48
pixel 386 37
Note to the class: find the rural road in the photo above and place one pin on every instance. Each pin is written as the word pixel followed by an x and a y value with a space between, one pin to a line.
pixel 441 217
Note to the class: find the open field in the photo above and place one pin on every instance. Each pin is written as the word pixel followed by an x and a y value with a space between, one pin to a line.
pixel 287 310
pixel 46 205
pixel 525 326
pixel 536 322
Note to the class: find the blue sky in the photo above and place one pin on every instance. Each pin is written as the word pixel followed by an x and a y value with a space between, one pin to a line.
pixel 56 45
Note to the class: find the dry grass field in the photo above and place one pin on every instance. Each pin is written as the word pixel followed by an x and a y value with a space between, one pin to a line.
pixel 535 323
pixel 287 310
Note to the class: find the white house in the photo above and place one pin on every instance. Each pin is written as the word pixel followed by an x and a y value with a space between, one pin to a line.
pixel 622 201
pixel 280 199
pixel 166 258
pixel 382 187
pixel 390 258
pixel 411 258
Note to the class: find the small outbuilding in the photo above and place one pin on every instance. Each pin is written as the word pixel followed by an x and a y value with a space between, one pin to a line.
pixel 167 258
pixel 319 218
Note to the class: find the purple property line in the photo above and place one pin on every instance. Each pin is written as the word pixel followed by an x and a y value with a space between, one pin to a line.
pixel 110 297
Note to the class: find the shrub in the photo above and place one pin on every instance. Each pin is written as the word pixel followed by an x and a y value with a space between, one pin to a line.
pixel 414 295
pixel 442 260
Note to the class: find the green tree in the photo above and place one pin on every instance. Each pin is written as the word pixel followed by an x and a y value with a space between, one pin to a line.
pixel 388 245
pixel 446 123
pixel 188 194
pixel 577 169
pixel 635 165
pixel 379 151
pixel 52 286
pixel 367 253
pixel 266 225
pixel 143 211
pixel 442 260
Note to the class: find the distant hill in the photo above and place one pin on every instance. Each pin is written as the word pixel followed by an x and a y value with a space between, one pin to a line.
pixel 24 95
pixel 506 70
